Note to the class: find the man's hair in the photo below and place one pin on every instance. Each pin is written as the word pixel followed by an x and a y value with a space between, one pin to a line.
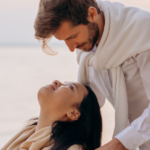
pixel 52 13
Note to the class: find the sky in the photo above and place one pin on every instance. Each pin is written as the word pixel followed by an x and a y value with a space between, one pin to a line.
pixel 17 19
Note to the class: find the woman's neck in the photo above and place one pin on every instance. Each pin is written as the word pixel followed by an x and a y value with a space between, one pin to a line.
pixel 44 121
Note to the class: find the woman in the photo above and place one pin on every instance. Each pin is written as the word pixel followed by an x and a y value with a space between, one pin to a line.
pixel 69 120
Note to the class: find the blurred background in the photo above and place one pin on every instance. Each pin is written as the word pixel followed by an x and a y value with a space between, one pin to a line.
pixel 24 68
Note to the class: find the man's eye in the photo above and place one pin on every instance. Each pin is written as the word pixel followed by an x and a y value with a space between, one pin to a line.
pixel 73 37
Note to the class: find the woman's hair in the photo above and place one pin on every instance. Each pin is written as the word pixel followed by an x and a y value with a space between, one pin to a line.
pixel 52 13
pixel 86 131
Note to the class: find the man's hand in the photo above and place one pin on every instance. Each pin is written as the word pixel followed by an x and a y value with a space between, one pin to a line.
pixel 114 144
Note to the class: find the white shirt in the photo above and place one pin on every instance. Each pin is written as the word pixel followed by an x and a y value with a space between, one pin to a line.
pixel 137 77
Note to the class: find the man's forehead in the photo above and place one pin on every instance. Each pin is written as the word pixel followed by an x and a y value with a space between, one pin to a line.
pixel 65 30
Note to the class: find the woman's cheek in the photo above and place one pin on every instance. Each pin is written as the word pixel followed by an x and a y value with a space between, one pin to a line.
pixel 64 92
pixel 62 97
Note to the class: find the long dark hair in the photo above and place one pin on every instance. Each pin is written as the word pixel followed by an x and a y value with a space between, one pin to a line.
pixel 86 131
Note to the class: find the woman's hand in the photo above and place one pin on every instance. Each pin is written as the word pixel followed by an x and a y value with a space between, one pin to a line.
pixel 114 144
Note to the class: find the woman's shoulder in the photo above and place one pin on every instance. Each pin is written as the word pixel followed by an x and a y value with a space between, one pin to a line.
pixel 75 147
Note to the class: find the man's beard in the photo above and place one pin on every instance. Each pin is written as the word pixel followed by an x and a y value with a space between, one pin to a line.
pixel 93 34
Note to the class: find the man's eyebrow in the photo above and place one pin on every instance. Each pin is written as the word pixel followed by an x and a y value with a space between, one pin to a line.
pixel 72 36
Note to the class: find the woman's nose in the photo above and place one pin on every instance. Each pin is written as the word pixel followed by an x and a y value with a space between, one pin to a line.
pixel 57 83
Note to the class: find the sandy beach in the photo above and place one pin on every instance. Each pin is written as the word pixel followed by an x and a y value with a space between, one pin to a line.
pixel 23 71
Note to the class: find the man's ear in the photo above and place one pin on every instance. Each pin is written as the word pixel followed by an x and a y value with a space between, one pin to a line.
pixel 73 115
pixel 92 14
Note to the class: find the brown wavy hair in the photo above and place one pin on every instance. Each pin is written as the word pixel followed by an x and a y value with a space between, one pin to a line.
pixel 52 13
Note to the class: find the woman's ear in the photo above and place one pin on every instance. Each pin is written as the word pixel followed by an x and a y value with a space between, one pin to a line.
pixel 73 115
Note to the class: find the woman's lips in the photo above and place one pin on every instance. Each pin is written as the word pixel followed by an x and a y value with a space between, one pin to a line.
pixel 52 86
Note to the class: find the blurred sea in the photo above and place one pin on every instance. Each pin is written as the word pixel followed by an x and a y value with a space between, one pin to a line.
pixel 23 70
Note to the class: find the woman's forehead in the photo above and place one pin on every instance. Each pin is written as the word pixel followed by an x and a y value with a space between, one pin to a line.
pixel 69 82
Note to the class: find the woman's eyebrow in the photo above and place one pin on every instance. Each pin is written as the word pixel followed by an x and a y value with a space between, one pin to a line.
pixel 75 85
pixel 72 84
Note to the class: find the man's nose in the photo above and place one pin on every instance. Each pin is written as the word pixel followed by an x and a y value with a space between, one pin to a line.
pixel 71 46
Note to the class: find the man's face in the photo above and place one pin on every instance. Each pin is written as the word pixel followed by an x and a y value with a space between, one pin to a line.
pixel 81 36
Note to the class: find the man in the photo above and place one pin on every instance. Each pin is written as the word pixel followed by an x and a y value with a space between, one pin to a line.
pixel 113 52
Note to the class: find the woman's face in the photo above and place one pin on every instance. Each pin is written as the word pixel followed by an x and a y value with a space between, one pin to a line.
pixel 60 99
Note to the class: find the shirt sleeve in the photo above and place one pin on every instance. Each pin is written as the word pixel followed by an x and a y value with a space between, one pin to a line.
pixel 139 130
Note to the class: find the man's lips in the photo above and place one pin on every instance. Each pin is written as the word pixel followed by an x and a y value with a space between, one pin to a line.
pixel 81 47
pixel 52 86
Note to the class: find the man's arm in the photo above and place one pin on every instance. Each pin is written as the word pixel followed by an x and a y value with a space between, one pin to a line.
pixel 139 131
pixel 114 144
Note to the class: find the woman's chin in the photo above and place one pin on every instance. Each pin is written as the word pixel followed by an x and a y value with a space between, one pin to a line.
pixel 42 93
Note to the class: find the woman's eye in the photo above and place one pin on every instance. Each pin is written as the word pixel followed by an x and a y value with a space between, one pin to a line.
pixel 71 87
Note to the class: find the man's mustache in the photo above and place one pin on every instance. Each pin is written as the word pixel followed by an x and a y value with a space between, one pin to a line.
pixel 81 45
